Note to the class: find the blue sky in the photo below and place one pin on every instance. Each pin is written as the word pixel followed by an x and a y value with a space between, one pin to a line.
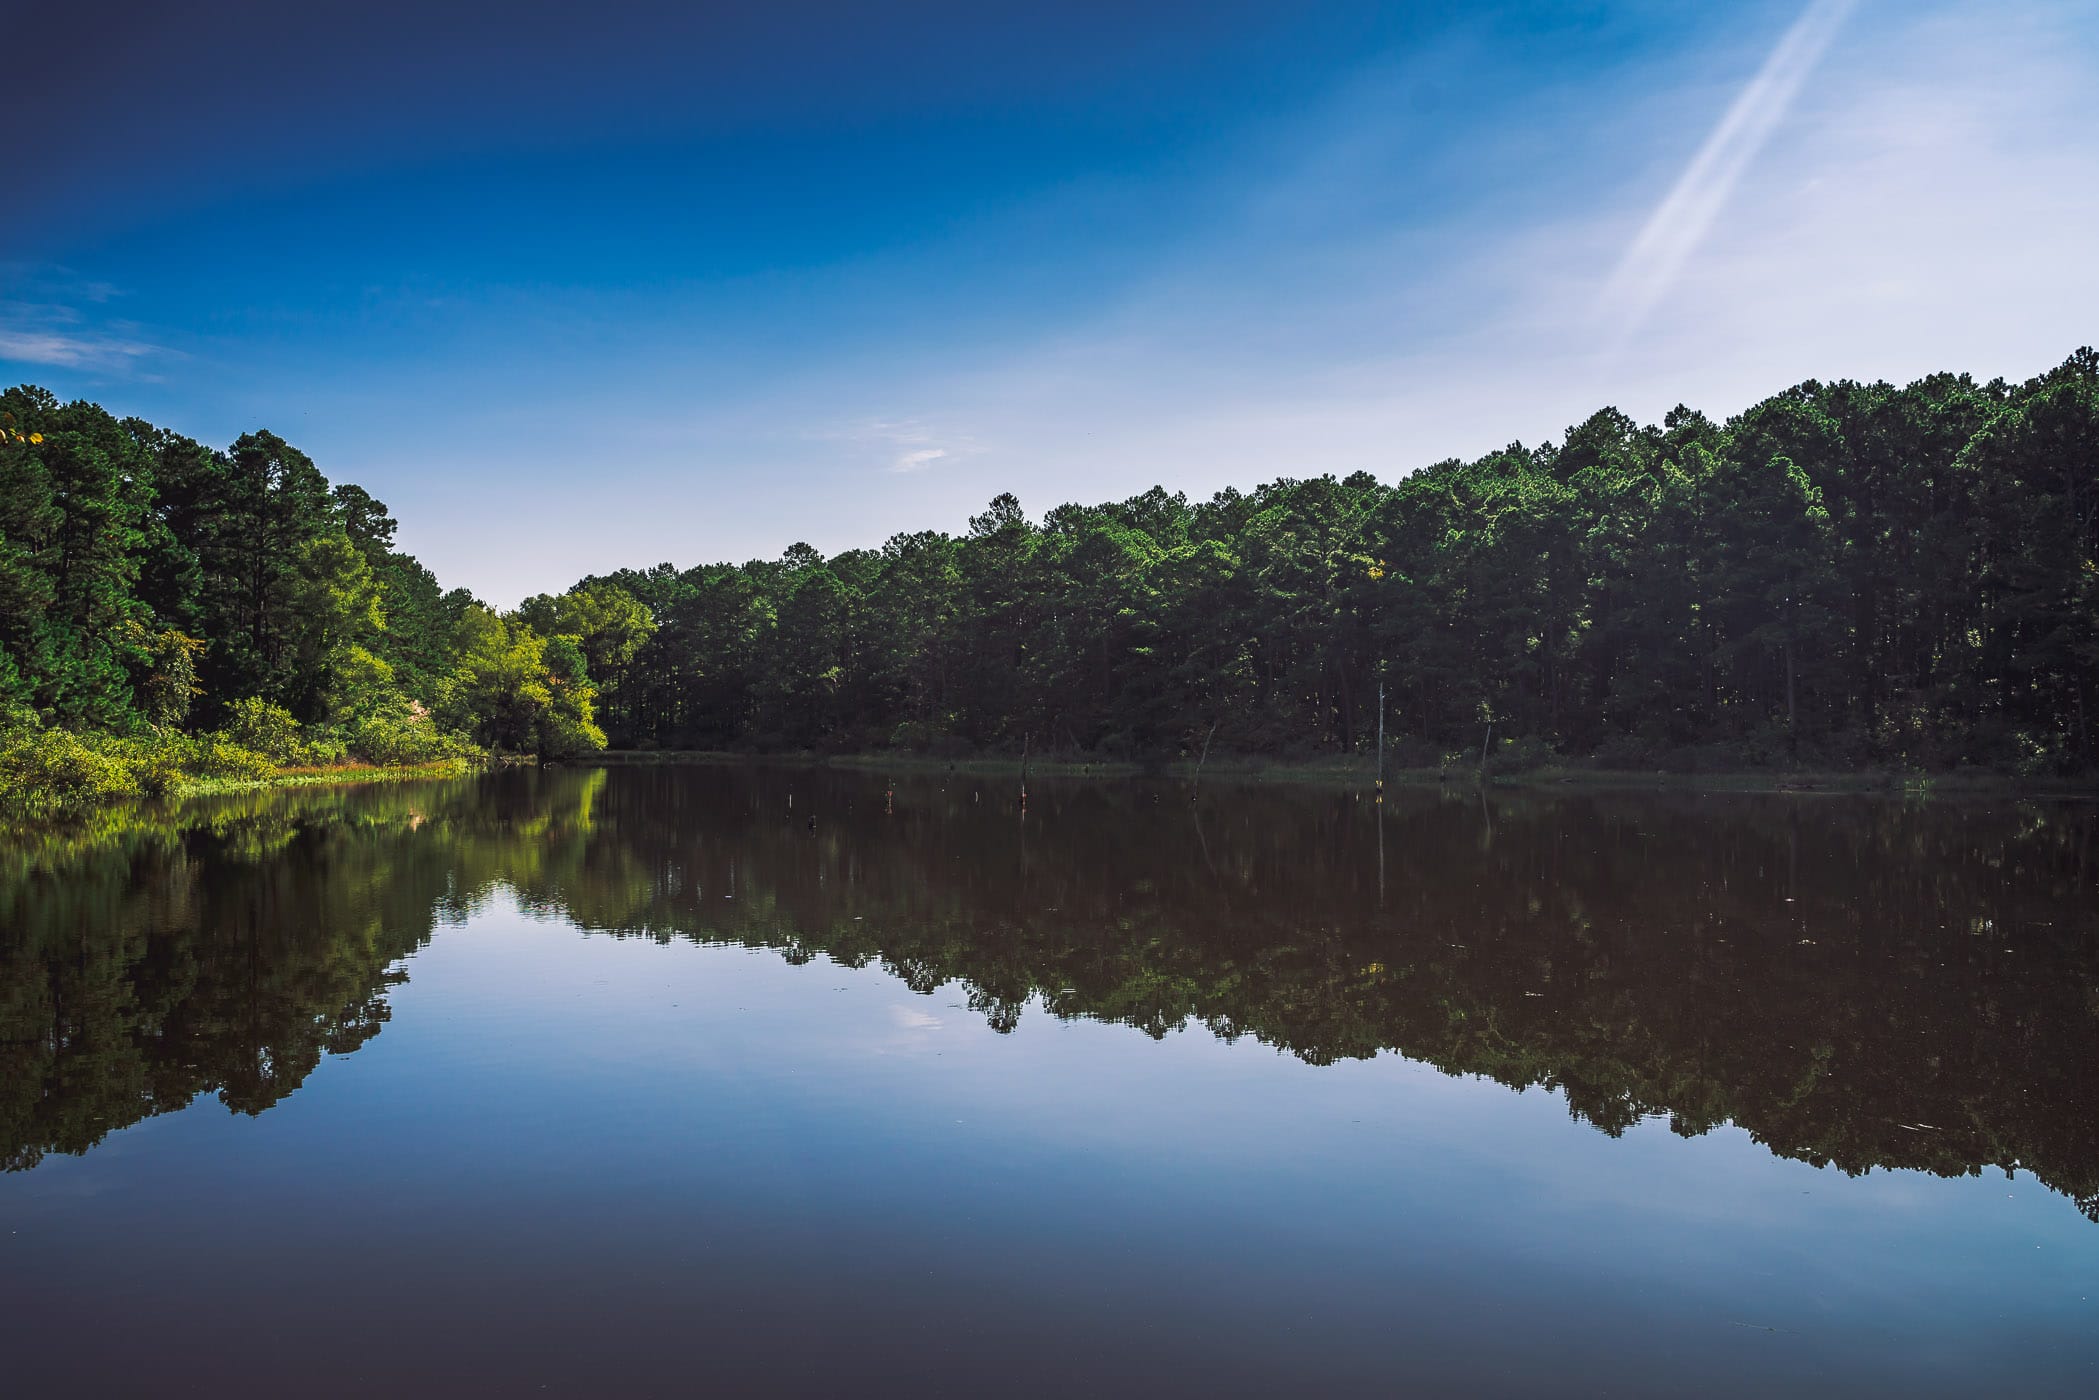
pixel 571 290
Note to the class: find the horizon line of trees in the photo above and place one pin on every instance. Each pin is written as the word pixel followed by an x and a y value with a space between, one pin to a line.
pixel 1842 574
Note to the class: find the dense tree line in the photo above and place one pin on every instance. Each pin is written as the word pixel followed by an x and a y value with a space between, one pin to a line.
pixel 150 585
pixel 1843 574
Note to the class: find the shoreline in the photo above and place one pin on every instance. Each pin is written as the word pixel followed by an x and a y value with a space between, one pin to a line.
pixel 1243 770
pixel 1235 771
pixel 181 793
pixel 333 775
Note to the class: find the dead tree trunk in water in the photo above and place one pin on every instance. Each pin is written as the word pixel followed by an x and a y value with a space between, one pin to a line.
pixel 1381 740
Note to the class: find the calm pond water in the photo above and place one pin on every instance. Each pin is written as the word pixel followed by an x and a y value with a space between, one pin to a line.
pixel 636 1081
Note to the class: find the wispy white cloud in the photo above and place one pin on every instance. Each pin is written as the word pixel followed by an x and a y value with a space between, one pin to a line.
pixel 910 1018
pixel 1683 219
pixel 42 323
pixel 1896 189
pixel 27 346
pixel 917 460
pixel 902 445
pixel 1921 205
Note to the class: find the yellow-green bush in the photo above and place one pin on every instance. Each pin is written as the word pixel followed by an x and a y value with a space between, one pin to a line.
pixel 49 772
pixel 54 773
pixel 176 758
pixel 319 750
pixel 389 740
pixel 267 729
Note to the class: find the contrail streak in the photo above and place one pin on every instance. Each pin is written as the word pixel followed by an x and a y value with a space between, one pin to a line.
pixel 1679 224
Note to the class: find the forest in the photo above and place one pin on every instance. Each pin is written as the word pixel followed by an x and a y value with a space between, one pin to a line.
pixel 1843 575
pixel 173 615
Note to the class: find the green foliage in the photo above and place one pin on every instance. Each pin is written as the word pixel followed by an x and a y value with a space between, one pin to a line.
pixel 1514 756
pixel 212 756
pixel 335 609
pixel 148 582
pixel 77 492
pixel 608 623
pixel 165 674
pixel 362 686
pixel 1846 574
pixel 270 730
pixel 55 773
pixel 52 772
pixel 514 690
pixel 404 740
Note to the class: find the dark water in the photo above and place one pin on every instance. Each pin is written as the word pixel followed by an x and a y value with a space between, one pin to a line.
pixel 631 1082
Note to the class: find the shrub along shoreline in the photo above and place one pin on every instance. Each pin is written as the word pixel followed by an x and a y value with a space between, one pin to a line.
pixel 55 777
pixel 49 775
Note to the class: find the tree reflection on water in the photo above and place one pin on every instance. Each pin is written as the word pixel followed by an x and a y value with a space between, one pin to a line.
pixel 1852 981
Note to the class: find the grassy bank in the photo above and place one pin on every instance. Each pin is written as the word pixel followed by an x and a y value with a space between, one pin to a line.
pixel 332 776
pixel 55 775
